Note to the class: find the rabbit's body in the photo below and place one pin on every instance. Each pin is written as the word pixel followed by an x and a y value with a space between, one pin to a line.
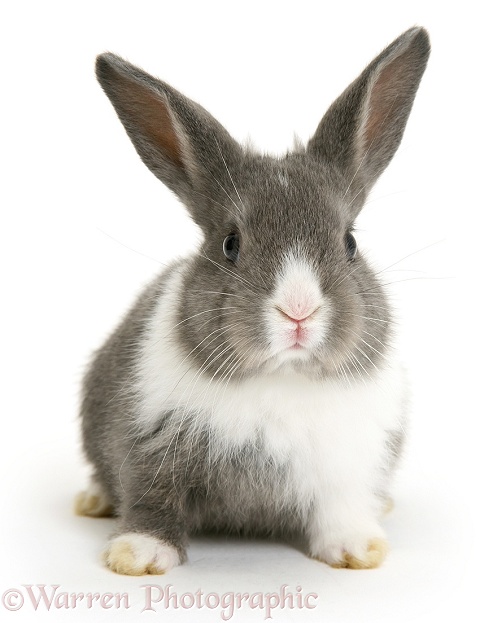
pixel 260 455
pixel 252 387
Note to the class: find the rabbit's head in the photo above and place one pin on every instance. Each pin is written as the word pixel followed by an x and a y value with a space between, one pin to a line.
pixel 278 281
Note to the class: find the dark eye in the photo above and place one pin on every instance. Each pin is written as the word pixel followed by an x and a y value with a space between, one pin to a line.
pixel 231 247
pixel 351 246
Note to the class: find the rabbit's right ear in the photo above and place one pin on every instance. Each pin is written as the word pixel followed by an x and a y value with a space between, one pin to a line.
pixel 179 141
pixel 362 129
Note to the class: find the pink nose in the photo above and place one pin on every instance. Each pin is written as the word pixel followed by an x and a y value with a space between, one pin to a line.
pixel 294 316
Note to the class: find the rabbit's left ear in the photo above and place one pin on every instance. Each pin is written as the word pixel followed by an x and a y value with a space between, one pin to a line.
pixel 363 128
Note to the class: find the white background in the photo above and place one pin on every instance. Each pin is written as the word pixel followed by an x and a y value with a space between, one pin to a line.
pixel 85 225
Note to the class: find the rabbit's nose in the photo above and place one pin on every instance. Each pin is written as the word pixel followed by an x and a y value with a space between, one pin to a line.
pixel 297 316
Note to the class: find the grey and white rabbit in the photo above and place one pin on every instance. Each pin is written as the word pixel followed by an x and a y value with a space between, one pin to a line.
pixel 252 388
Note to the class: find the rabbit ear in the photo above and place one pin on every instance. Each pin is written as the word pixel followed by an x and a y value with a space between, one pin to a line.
pixel 180 142
pixel 363 128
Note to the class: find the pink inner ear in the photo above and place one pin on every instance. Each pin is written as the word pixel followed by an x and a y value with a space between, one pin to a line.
pixel 149 114
pixel 387 97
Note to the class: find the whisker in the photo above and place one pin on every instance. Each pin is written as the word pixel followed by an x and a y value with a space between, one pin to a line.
pixel 228 365
pixel 365 355
pixel 205 391
pixel 226 193
pixel 127 380
pixel 224 161
pixel 390 283
pixel 344 277
pixel 360 190
pixel 231 273
pixel 428 246
pixel 216 202
pixel 356 366
pixel 368 318
pixel 175 434
pixel 373 199
pixel 222 331
pixel 123 463
pixel 226 313
pixel 206 311
pixel 340 369
pixel 370 305
pixel 130 248
pixel 367 344
pixel 375 338
pixel 222 293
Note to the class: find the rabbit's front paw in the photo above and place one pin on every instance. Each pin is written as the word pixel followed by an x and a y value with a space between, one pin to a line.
pixel 140 554
pixel 368 558
pixel 93 503
pixel 353 552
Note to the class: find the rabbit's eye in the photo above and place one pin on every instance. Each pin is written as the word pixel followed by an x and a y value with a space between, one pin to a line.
pixel 351 246
pixel 231 247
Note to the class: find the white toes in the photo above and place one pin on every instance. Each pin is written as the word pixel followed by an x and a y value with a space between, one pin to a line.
pixel 93 502
pixel 140 554
pixel 372 556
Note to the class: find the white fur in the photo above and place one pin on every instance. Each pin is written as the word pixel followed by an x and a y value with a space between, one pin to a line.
pixel 93 502
pixel 297 296
pixel 330 434
pixel 137 552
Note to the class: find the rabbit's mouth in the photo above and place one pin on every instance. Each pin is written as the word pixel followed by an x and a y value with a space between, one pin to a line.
pixel 297 356
pixel 299 360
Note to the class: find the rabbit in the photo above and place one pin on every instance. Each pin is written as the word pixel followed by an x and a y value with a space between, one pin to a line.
pixel 253 388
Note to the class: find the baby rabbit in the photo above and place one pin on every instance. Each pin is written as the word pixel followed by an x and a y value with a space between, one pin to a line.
pixel 251 388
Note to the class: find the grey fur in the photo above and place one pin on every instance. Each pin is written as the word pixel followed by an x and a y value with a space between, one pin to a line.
pixel 328 181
